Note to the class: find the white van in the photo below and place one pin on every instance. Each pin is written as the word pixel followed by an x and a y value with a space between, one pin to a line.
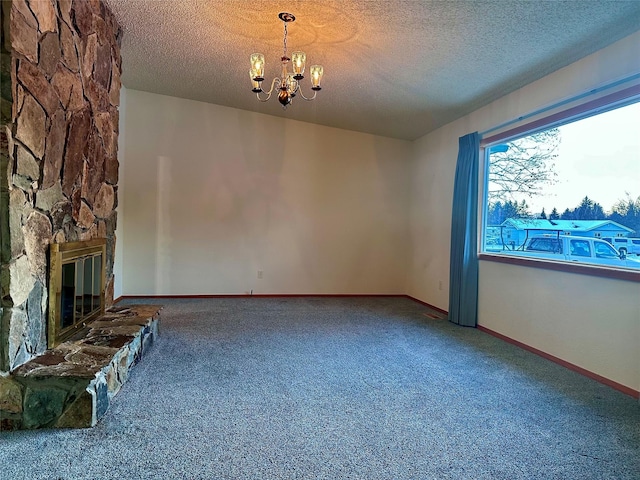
pixel 630 246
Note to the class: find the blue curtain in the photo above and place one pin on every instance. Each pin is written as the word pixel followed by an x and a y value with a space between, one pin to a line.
pixel 463 284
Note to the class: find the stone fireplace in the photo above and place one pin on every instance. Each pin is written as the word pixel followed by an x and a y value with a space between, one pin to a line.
pixel 60 69
pixel 58 153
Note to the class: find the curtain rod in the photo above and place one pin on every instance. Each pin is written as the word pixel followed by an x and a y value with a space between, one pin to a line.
pixel 561 103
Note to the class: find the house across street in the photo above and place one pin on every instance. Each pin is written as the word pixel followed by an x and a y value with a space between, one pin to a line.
pixel 514 233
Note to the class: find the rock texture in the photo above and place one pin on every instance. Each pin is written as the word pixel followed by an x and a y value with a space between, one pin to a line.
pixel 58 171
pixel 73 385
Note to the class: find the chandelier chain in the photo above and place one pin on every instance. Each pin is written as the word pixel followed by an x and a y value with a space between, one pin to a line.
pixel 285 39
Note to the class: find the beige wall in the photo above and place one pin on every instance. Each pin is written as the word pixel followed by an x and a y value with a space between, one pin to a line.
pixel 118 263
pixel 591 322
pixel 210 195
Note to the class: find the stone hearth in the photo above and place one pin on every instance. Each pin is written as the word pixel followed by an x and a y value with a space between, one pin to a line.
pixel 73 384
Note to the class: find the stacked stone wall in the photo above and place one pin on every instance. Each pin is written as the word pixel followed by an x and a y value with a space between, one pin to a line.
pixel 60 92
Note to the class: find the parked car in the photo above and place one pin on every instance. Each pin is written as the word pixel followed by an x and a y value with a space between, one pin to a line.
pixel 630 246
pixel 576 249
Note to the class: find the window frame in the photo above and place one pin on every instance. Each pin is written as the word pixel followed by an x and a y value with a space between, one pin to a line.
pixel 590 108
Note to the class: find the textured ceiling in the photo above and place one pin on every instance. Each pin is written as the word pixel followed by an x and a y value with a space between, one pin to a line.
pixel 395 68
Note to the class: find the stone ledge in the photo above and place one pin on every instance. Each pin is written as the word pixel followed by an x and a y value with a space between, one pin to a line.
pixel 73 384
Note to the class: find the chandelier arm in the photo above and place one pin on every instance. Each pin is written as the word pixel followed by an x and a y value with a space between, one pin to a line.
pixel 274 83
pixel 315 92
pixel 263 99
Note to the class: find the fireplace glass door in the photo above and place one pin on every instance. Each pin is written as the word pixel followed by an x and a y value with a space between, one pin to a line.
pixel 77 287
pixel 81 284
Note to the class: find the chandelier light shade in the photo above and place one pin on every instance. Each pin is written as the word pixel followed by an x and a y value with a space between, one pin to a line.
pixel 316 77
pixel 288 84
pixel 257 66
pixel 298 60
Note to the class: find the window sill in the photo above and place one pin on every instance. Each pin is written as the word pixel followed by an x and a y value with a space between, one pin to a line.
pixel 580 269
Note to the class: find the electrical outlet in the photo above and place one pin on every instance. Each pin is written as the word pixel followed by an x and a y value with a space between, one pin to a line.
pixel 439 284
pixel 260 274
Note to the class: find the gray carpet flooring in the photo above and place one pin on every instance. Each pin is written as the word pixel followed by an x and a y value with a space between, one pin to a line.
pixel 338 388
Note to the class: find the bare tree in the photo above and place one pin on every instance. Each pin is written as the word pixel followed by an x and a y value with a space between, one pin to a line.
pixel 523 166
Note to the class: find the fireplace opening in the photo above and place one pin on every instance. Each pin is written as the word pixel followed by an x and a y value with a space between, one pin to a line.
pixel 76 287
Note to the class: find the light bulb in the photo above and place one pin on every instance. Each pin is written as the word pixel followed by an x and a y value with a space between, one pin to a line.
pixel 256 88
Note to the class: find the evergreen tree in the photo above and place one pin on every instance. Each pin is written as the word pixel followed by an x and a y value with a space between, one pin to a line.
pixel 627 212
pixel 598 212
pixel 510 210
pixel 554 215
pixel 523 210
pixel 498 211
pixel 543 215
pixel 567 215
pixel 494 215
pixel 589 210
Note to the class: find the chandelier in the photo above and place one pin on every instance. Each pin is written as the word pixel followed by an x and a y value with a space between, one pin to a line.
pixel 288 84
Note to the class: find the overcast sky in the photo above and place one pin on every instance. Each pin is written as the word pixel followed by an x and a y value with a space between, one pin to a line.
pixel 599 157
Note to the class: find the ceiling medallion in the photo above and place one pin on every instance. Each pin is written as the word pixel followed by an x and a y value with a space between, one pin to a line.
pixel 288 84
